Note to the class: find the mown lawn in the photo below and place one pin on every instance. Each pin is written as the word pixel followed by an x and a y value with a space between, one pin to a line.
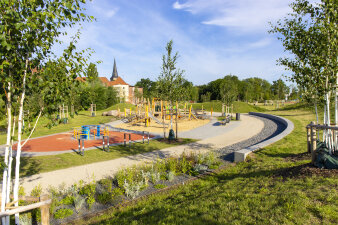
pixel 239 107
pixel 40 164
pixel 259 191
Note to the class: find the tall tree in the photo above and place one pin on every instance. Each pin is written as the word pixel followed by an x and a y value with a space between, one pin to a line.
pixel 279 89
pixel 170 83
pixel 310 35
pixel 28 30
pixel 228 90
pixel 92 73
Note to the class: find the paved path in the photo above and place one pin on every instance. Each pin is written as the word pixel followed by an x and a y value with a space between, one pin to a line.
pixel 214 138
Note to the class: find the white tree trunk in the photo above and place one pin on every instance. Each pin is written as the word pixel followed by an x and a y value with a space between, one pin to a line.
pixel 336 115
pixel 5 220
pixel 18 151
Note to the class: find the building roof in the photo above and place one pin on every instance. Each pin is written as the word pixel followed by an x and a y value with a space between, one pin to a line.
pixel 105 81
pixel 118 81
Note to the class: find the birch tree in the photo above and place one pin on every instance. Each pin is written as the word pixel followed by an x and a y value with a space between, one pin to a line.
pixel 310 34
pixel 28 30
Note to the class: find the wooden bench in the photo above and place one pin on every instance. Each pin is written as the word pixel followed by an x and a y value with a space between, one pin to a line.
pixel 226 120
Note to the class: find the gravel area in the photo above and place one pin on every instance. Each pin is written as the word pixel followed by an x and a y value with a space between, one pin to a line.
pixel 271 129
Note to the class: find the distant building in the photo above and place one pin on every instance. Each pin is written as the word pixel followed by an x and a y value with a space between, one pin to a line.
pixel 126 92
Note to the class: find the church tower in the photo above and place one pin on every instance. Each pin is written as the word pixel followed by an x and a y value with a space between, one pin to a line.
pixel 114 75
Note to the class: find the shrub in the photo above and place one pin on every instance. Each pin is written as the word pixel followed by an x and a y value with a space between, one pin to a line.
pixel 170 175
pixel 63 213
pixel 78 202
pixel 160 186
pixel 37 191
pixel 116 192
pixel 104 197
pixel 155 177
pixel 89 191
pixel 25 219
pixel 171 165
pixel 68 200
pixel 132 189
pixel 184 165
pixel 199 168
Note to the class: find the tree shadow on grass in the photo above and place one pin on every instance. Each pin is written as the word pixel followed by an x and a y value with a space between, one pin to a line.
pixel 28 167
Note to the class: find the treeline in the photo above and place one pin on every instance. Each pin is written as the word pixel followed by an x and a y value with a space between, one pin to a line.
pixel 79 94
pixel 230 88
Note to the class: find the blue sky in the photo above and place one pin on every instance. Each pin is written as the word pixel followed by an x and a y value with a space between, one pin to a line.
pixel 213 37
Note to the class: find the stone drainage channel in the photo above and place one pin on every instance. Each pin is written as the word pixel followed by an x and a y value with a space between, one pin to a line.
pixel 271 129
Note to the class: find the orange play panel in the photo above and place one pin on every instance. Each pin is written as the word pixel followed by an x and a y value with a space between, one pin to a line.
pixel 62 142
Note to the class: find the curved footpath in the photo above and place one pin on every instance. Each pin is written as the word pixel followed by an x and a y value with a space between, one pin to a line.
pixel 213 137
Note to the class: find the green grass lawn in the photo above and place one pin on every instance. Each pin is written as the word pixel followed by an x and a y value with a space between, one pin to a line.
pixel 239 107
pixel 252 192
pixel 40 164
pixel 83 118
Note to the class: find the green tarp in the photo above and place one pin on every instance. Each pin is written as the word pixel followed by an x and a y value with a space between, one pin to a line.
pixel 324 159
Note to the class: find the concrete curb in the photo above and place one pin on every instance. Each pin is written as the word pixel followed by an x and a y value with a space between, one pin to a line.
pixel 241 155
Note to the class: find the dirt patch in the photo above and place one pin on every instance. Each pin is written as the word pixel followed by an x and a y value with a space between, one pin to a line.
pixel 183 125
pixel 178 141
pixel 305 170
pixel 298 157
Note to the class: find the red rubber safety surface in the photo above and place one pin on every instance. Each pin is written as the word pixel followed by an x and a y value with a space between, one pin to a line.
pixel 62 142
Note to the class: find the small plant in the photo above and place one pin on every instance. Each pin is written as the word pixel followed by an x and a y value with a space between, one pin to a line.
pixel 170 175
pixel 116 192
pixel 199 168
pixel 21 191
pixel 37 191
pixel 79 201
pixel 131 190
pixel 160 166
pixel 89 191
pixel 172 165
pixel 104 197
pixel 68 200
pixel 155 177
pixel 25 219
pixel 63 213
pixel 184 165
pixel 160 186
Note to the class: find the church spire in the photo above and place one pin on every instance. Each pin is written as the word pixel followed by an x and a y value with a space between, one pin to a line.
pixel 114 75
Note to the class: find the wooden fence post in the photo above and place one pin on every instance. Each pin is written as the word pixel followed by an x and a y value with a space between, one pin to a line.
pixel 308 129
pixel 313 142
pixel 44 211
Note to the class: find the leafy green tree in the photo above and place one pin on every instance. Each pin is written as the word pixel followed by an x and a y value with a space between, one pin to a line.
pixel 149 87
pixel 279 89
pixel 170 84
pixel 28 30
pixel 92 73
pixel 310 34
pixel 228 90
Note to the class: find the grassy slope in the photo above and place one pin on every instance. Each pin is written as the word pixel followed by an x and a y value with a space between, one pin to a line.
pixel 246 193
pixel 239 107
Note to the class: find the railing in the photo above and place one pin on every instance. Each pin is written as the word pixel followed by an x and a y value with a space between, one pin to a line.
pixel 43 203
pixel 312 136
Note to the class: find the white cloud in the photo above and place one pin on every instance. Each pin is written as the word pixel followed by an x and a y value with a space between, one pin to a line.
pixel 244 15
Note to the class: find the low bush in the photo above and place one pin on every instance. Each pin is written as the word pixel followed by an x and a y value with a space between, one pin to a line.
pixel 63 213
pixel 160 186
